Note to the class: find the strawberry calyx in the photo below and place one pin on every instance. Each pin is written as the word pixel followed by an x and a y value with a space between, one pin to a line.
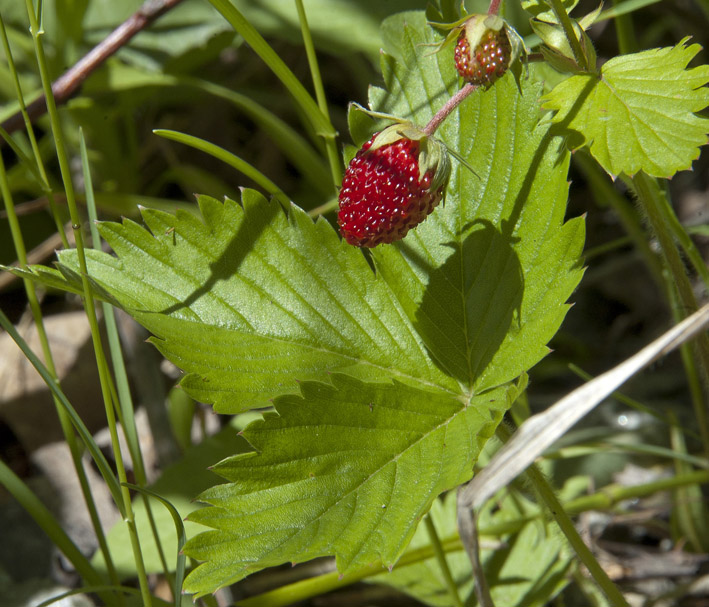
pixel 486 46
pixel 391 185
pixel 478 27
pixel 433 154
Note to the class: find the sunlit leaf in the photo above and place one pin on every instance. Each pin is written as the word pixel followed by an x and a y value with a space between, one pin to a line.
pixel 640 113
pixel 404 356
pixel 346 470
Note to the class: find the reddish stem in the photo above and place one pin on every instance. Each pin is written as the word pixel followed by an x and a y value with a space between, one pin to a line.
pixel 494 7
pixel 450 105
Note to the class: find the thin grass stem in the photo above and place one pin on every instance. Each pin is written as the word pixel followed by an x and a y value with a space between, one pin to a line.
pixel 231 159
pixel 333 155
pixel 441 560
pixel 316 118
pixel 67 429
pixel 88 301
pixel 624 31
pixel 689 511
pixel 120 394
pixel 44 179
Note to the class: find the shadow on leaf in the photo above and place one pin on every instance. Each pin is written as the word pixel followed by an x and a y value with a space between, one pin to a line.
pixel 227 264
pixel 464 327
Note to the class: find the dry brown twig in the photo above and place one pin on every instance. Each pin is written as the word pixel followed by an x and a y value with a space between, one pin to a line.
pixel 70 81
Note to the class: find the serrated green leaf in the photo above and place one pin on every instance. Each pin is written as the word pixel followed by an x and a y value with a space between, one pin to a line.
pixel 485 278
pixel 49 277
pixel 347 469
pixel 639 115
pixel 252 299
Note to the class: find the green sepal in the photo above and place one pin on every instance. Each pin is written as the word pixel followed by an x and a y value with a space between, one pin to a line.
pixel 559 52
pixel 348 153
pixel 363 123
pixel 519 52
pixel 433 154
pixel 561 63
pixel 589 19
pixel 477 26
pixel 396 132
pixel 372 114
pixel 553 36
pixel 443 12
pixel 589 51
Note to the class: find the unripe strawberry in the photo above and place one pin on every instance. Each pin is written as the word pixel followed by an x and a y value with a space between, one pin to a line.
pixel 483 51
pixel 393 183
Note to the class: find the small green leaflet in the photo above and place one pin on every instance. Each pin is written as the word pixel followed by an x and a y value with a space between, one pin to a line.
pixel 347 469
pixel 640 114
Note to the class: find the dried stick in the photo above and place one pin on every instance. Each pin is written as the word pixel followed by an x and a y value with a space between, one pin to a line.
pixel 67 84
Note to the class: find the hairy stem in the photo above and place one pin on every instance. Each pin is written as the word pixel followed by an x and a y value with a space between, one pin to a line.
pixel 450 105
pixel 565 22
pixel 494 7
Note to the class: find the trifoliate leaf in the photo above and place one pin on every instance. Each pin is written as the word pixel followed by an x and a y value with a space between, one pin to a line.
pixel 639 114
pixel 252 299
pixel 347 469
pixel 484 281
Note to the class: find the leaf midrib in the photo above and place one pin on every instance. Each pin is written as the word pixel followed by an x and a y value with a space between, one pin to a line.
pixel 398 373
pixel 423 437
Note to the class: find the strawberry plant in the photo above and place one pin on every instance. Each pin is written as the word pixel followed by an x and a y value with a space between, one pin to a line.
pixel 388 351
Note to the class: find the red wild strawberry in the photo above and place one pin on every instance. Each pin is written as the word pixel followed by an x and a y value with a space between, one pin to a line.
pixel 483 51
pixel 396 179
